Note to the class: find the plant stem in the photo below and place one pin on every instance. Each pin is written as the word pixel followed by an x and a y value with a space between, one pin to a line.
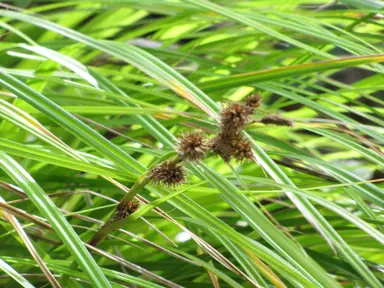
pixel 113 222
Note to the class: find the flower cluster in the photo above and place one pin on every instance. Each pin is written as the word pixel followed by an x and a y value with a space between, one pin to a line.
pixel 231 143
pixel 234 117
pixel 193 146
pixel 253 101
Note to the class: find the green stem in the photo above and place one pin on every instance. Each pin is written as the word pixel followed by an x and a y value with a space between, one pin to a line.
pixel 111 225
pixel 113 222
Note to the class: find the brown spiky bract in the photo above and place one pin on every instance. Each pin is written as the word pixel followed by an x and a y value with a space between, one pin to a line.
pixel 193 146
pixel 168 173
pixel 277 120
pixel 234 117
pixel 253 101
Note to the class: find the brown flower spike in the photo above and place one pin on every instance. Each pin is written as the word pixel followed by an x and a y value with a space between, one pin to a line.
pixel 277 120
pixel 168 173
pixel 223 147
pixel 193 146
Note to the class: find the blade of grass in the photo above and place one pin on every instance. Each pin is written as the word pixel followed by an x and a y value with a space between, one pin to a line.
pixel 239 17
pixel 15 275
pixel 53 158
pixel 287 71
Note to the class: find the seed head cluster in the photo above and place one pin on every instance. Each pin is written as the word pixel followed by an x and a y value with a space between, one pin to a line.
pixel 241 149
pixel 277 120
pixel 132 206
pixel 230 143
pixel 168 173
pixel 193 146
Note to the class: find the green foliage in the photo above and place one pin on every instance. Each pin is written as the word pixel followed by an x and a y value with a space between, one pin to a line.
pixel 94 94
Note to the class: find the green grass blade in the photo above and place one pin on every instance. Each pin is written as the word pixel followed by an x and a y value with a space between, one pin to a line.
pixel 287 71
pixel 15 275
pixel 69 122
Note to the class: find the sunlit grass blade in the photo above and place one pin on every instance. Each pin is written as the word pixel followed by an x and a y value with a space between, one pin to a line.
pixel 34 153
pixel 287 71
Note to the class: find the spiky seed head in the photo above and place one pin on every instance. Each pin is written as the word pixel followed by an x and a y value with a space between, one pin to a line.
pixel 234 117
pixel 168 173
pixel 193 146
pixel 253 101
pixel 277 120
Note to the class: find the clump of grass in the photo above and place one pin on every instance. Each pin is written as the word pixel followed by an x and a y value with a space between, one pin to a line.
pixel 55 153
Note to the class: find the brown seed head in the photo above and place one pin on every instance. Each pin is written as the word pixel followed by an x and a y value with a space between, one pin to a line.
pixel 277 120
pixel 193 146
pixel 168 173
pixel 232 147
pixel 222 146
pixel 241 149
pixel 253 101
pixel 234 117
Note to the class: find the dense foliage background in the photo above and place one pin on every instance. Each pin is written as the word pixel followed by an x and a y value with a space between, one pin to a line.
pixel 94 93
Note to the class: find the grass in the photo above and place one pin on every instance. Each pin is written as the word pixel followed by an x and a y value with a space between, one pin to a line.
pixel 95 93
